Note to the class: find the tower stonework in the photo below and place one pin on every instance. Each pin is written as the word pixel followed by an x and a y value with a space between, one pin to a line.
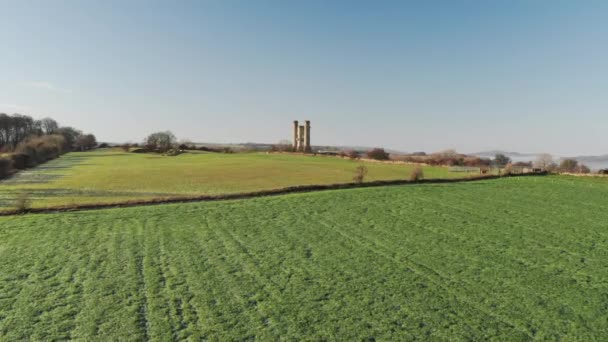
pixel 307 136
pixel 295 136
pixel 301 137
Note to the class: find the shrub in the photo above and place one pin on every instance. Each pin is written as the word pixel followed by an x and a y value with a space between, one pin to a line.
pixel 378 154
pixel 501 160
pixel 360 173
pixel 507 170
pixel 568 165
pixel 20 161
pixel 41 149
pixel 6 167
pixel 173 152
pixel 140 150
pixel 125 147
pixel 416 174
pixel 22 202
pixel 582 168
pixel 353 155
pixel 104 145
pixel 281 148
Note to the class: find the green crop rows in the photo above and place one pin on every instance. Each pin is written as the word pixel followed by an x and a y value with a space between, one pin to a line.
pixel 517 259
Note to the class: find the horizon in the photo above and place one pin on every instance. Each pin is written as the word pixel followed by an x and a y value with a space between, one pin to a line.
pixel 475 76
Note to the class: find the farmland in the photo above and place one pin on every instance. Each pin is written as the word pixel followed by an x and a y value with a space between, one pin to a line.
pixel 515 258
pixel 106 176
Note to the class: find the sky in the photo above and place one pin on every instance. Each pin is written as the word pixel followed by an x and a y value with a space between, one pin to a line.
pixel 527 76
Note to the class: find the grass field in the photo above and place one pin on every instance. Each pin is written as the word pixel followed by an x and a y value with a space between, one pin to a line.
pixel 513 259
pixel 111 176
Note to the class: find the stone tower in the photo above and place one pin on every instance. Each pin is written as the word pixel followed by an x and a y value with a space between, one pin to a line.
pixel 301 137
pixel 307 148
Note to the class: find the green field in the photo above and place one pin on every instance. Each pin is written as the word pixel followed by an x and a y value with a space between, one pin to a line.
pixel 511 259
pixel 105 176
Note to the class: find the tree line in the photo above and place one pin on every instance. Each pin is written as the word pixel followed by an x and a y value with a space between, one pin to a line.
pixel 17 128
pixel 26 142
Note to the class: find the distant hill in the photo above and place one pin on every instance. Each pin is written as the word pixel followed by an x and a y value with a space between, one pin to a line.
pixel 491 154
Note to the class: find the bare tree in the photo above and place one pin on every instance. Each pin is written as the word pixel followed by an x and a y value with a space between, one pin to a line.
pixel 161 141
pixel 86 142
pixel 360 173
pixel 48 125
pixel 543 161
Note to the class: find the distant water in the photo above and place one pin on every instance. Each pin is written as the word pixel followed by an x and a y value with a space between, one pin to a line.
pixel 593 165
pixel 597 165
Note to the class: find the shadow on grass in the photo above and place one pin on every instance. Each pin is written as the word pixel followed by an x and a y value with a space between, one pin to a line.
pixel 46 172
pixel 8 197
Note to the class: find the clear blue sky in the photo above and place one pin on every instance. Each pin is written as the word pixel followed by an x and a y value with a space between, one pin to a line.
pixel 471 75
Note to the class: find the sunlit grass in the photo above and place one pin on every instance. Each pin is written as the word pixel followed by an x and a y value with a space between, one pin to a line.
pixel 508 259
pixel 111 176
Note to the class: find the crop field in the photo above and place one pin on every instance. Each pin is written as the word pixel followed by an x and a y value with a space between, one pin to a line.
pixel 107 176
pixel 516 258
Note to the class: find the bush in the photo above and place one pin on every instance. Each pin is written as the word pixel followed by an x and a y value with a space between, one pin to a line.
pixel 378 154
pixel 140 150
pixel 20 161
pixel 22 202
pixel 281 148
pixel 416 174
pixel 173 152
pixel 360 173
pixel 104 145
pixel 501 160
pixel 41 149
pixel 353 155
pixel 568 165
pixel 584 169
pixel 125 147
pixel 6 167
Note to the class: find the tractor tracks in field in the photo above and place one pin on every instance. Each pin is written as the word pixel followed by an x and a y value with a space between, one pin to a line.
pixel 254 194
pixel 425 271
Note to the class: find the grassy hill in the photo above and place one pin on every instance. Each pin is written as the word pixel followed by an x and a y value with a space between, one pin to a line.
pixel 516 259
pixel 109 176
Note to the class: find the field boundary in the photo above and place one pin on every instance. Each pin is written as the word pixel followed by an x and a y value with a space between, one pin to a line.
pixel 255 194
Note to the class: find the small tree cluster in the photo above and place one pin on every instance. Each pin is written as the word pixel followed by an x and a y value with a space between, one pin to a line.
pixel 445 158
pixel 573 166
pixel 85 142
pixel 501 160
pixel 378 154
pixel 160 141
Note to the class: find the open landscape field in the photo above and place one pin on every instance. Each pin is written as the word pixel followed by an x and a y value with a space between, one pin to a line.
pixel 513 258
pixel 106 176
